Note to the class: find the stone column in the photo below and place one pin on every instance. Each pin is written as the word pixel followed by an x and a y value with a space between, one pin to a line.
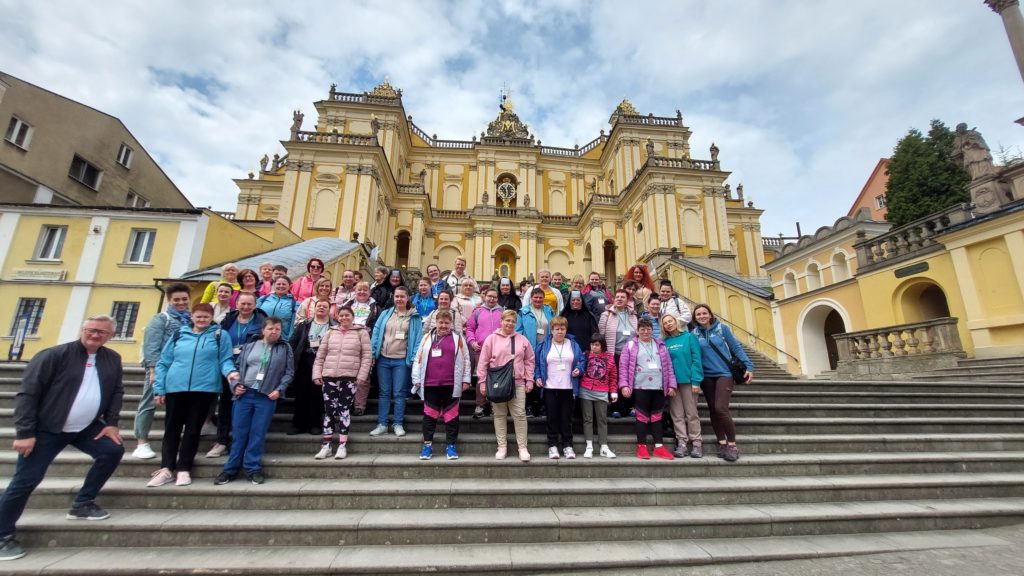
pixel 416 241
pixel 1013 21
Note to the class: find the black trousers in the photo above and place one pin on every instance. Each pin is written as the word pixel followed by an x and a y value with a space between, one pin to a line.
pixel 224 409
pixel 439 405
pixel 186 412
pixel 650 405
pixel 559 406
pixel 309 398
pixel 718 393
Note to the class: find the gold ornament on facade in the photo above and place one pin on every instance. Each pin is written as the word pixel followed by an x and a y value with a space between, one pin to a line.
pixel 385 90
pixel 507 124
pixel 625 108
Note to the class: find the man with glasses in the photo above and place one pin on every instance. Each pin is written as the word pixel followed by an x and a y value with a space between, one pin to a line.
pixel 346 290
pixel 70 394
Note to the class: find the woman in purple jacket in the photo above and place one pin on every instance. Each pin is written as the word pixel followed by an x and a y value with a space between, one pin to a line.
pixel 645 372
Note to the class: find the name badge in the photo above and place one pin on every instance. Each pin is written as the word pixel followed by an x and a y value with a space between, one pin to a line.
pixel 435 352
pixel 625 332
pixel 259 377
pixel 652 366
pixel 600 301
pixel 399 335
pixel 540 331
pixel 236 350
pixel 561 366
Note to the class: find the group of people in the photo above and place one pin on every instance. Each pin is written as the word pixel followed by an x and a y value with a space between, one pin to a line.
pixel 258 335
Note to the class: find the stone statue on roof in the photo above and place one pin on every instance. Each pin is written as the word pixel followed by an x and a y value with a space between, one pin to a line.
pixel 971 151
pixel 263 163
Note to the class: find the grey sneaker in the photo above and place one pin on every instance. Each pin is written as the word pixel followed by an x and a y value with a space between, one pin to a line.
pixel 380 429
pixel 696 451
pixel 731 454
pixel 90 511
pixel 399 430
pixel 680 451
pixel 10 549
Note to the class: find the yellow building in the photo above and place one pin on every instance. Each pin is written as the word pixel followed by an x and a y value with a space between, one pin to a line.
pixel 59 265
pixel 504 201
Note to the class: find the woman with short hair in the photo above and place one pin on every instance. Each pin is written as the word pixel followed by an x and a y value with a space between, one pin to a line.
pixel 396 328
pixel 499 348
pixel 646 373
pixel 559 364
pixel 342 366
pixel 440 374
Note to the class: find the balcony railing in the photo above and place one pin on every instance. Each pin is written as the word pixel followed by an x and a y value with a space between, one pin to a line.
pixel 652 120
pixel 904 349
pixel 909 241
pixel 334 138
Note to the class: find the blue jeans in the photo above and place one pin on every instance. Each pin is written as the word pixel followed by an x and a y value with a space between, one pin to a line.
pixel 250 418
pixel 393 375
pixel 31 469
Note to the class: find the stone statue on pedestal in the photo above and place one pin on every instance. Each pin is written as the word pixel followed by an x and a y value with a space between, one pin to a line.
pixel 714 152
pixel 297 117
pixel 263 163
pixel 970 149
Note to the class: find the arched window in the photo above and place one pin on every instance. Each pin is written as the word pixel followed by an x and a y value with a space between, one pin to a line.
pixel 840 267
pixel 789 285
pixel 813 277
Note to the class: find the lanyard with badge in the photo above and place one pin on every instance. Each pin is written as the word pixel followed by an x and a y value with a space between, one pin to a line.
pixel 649 351
pixel 264 361
pixel 623 323
pixel 239 331
pixel 435 346
pixel 316 334
pixel 558 350
pixel 403 320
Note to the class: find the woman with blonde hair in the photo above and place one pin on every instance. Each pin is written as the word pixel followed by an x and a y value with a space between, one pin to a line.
pixel 503 346
pixel 321 291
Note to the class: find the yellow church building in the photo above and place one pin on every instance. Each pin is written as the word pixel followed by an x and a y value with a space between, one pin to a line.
pixel 504 201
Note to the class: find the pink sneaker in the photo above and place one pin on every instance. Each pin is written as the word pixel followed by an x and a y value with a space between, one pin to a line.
pixel 160 477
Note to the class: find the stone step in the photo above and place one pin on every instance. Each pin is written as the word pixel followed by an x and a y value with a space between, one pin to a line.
pixel 497 558
pixel 362 464
pixel 1015 361
pixel 260 527
pixel 347 494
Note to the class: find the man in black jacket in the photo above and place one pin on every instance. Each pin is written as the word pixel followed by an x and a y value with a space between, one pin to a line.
pixel 70 394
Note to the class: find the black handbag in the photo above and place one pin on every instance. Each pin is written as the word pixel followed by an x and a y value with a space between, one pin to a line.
pixel 737 368
pixel 501 381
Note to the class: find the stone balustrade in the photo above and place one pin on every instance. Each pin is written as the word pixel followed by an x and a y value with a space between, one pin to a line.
pixel 364 98
pixel 901 350
pixel 909 241
pixel 413 189
pixel 334 138
pixel 550 219
pixel 652 120
pixel 455 214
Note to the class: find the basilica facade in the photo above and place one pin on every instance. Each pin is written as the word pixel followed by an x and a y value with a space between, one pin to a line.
pixel 504 201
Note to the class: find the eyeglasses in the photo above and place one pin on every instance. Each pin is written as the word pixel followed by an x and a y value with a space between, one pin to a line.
pixel 97 332
pixel 315 267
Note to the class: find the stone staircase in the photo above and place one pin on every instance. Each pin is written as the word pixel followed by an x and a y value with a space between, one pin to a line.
pixel 827 468
pixel 1006 369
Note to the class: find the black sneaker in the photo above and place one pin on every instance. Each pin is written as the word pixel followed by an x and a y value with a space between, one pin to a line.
pixel 257 478
pixel 223 478
pixel 359 411
pixel 90 511
pixel 731 454
pixel 10 549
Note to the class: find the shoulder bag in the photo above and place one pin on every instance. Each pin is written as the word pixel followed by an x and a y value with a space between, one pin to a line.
pixel 501 381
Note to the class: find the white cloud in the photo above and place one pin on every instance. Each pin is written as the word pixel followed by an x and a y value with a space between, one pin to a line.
pixel 802 98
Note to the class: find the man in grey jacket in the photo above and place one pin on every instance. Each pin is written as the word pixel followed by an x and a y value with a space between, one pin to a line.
pixel 160 329
pixel 70 395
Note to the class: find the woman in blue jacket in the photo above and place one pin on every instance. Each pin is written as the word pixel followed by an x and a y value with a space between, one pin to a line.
pixel 396 327
pixel 716 344
pixel 560 363
pixel 534 323
pixel 187 382
pixel 282 304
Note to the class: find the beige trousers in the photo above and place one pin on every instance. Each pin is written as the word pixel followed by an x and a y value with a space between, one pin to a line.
pixel 685 420
pixel 517 406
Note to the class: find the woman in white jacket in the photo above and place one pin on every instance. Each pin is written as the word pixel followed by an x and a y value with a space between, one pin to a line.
pixel 441 372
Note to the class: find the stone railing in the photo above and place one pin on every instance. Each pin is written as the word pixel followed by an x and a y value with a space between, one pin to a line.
pixel 652 120
pixel 549 219
pixel 593 143
pixel 454 214
pixel 364 98
pixel 909 241
pixel 901 350
pixel 666 162
pixel 414 189
pixel 225 215
pixel 334 138
pixel 556 151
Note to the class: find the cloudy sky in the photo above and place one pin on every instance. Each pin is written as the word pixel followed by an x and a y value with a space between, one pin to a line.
pixel 802 96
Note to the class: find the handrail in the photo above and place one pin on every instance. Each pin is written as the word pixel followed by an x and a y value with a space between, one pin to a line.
pixel 735 328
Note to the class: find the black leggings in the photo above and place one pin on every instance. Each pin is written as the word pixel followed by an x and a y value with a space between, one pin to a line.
pixel 185 414
pixel 558 405
pixel 309 399
pixel 718 392
pixel 650 404
pixel 439 405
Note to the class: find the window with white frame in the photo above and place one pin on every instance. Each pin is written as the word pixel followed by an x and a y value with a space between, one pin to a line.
pixel 140 246
pixel 51 242
pixel 135 200
pixel 85 172
pixel 880 201
pixel 125 314
pixel 125 155
pixel 30 309
pixel 19 132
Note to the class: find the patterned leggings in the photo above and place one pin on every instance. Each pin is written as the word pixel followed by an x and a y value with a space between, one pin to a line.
pixel 338 396
pixel 649 406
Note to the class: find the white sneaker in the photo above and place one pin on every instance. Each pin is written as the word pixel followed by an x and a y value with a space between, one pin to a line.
pixel 342 452
pixel 607 452
pixel 184 479
pixel 553 453
pixel 569 453
pixel 217 451
pixel 324 452
pixel 399 430
pixel 380 429
pixel 589 452
pixel 144 452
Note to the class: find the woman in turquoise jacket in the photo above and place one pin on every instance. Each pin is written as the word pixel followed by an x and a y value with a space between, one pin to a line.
pixel 187 382
pixel 534 323
pixel 684 350
pixel 282 304
pixel 396 336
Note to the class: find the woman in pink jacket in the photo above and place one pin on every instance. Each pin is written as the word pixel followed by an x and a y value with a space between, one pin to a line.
pixel 342 363
pixel 500 347
pixel 645 371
